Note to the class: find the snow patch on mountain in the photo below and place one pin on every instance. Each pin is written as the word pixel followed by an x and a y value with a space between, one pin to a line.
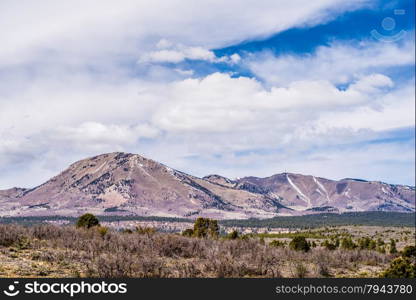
pixel 298 190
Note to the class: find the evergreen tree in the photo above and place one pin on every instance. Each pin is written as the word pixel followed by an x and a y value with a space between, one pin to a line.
pixel 204 227
pixel 233 235
pixel 393 249
pixel 401 267
pixel 409 251
pixel 87 221
pixel 347 243
pixel 299 243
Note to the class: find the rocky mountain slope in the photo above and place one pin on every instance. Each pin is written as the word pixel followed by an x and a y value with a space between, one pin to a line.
pixel 300 192
pixel 122 183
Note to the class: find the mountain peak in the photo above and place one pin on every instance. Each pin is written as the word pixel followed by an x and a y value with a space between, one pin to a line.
pixel 126 183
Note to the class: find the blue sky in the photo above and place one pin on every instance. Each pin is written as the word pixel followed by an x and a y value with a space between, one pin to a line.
pixel 350 26
pixel 321 87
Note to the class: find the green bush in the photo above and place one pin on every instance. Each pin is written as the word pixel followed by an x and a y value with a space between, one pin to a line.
pixel 372 245
pixel 364 243
pixel 393 249
pixel 348 244
pixel 102 231
pixel 145 230
pixel 245 237
pixel 409 251
pixel 23 243
pixel 213 229
pixel 380 242
pixel 188 232
pixel 328 245
pixel 400 267
pixel 233 235
pixel 381 249
pixel 299 243
pixel 87 221
pixel 204 227
pixel 276 243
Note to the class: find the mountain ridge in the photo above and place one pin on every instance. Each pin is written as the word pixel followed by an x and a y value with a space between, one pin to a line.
pixel 124 183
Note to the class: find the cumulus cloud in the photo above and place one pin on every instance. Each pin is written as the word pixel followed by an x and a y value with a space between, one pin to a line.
pixel 214 115
pixel 75 89
pixel 219 103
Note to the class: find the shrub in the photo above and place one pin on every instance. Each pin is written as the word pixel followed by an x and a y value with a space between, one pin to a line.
pixel 145 230
pixel 300 270
pixel 102 231
pixel 22 243
pixel 380 242
pixel 372 245
pixel 322 270
pixel 9 235
pixel 276 243
pixel 400 267
pixel 204 227
pixel 171 255
pixel 245 237
pixel 348 244
pixel 188 232
pixel 299 243
pixel 364 243
pixel 233 235
pixel 87 221
pixel 409 251
pixel 213 229
pixel 328 245
pixel 393 249
pixel 381 249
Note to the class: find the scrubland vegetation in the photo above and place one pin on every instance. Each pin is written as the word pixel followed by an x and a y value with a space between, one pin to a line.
pixel 372 218
pixel 91 250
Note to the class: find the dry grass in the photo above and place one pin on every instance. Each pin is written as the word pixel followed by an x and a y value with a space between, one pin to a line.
pixel 52 251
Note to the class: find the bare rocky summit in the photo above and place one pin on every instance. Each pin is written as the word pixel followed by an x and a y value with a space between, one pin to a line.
pixel 126 184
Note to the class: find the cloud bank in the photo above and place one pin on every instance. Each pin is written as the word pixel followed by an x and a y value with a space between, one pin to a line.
pixel 143 79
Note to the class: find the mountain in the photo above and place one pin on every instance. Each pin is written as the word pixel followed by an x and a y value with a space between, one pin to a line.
pixel 123 183
pixel 300 192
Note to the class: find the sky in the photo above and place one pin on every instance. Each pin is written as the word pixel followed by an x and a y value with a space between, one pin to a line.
pixel 237 88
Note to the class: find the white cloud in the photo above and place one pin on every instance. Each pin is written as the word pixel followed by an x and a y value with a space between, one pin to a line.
pixel 338 63
pixel 214 115
pixel 235 58
pixel 97 31
pixel 219 103
pixel 394 110
pixel 73 89
pixel 178 54
pixel 92 133
pixel 167 52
